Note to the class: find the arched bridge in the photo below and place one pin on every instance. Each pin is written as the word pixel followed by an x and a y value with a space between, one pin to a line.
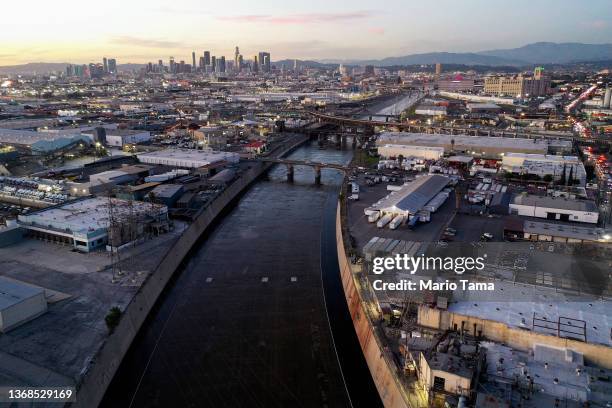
pixel 290 163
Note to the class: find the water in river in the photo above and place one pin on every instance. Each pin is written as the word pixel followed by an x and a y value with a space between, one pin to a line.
pixel 245 323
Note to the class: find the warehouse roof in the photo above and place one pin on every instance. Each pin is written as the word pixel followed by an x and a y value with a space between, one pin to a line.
pixel 413 196
pixel 562 230
pixel 13 292
pixel 552 202
pixel 474 142
pixel 40 141
pixel 167 190
pixel 187 157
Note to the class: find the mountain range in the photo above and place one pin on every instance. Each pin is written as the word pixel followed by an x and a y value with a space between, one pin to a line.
pixel 528 55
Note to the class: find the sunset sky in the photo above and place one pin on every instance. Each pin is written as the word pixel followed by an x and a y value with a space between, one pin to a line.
pixel 140 31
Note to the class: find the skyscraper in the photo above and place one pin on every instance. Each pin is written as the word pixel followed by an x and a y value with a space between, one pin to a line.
pixel 193 64
pixel 255 66
pixel 236 57
pixel 105 63
pixel 438 69
pixel 206 58
pixel 112 66
pixel 221 65
pixel 264 61
pixel 213 63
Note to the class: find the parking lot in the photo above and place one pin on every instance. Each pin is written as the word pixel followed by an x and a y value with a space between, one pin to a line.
pixel 362 231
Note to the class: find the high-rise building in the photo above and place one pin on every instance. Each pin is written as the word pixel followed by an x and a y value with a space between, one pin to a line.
pixel 193 64
pixel 160 66
pixel 438 70
pixel 96 70
pixel 69 70
pixel 213 63
pixel 264 61
pixel 607 99
pixel 172 66
pixel 105 63
pixel 112 66
pixel 221 65
pixel 201 64
pixel 206 58
pixel 369 71
pixel 236 56
pixel 255 66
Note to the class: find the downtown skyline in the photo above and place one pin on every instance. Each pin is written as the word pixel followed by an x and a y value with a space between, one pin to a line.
pixel 355 30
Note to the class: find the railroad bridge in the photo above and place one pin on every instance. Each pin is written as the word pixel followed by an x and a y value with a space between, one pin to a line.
pixel 368 128
pixel 290 164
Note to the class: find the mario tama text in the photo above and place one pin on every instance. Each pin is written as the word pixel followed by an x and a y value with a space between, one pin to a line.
pixel 407 285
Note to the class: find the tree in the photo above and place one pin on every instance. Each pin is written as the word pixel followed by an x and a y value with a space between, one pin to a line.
pixel 548 178
pixel 112 318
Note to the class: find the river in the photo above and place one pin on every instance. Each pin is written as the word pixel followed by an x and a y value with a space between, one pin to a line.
pixel 394 106
pixel 245 323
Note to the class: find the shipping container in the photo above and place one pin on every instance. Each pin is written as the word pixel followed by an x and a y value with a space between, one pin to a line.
pixel 384 221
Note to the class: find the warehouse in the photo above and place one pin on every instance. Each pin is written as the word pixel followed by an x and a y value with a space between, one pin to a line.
pixel 187 158
pixel 122 137
pixel 41 142
pixel 19 303
pixel 422 152
pixel 553 232
pixel 412 197
pixel 553 208
pixel 167 194
pixel 84 224
pixel 542 165
pixel 474 145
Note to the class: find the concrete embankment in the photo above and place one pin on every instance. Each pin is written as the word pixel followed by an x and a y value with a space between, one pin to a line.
pixel 104 365
pixel 379 361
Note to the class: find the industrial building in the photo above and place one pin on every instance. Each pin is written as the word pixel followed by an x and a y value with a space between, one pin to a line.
pixel 187 158
pixel 560 168
pixel 167 194
pixel 529 230
pixel 122 137
pixel 430 110
pixel 85 223
pixel 19 303
pixel 475 145
pixel 520 86
pixel 422 152
pixel 413 197
pixel 552 208
pixel 41 142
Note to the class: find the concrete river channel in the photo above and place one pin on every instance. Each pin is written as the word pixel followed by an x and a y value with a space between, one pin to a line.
pixel 257 315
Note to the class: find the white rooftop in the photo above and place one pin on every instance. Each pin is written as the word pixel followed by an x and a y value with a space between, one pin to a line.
pixel 13 292
pixel 544 302
pixel 190 158
pixel 86 215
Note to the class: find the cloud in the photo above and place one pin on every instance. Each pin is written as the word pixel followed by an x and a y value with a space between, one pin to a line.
pixel 145 42
pixel 308 18
pixel 596 24
pixel 376 30
pixel 174 10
